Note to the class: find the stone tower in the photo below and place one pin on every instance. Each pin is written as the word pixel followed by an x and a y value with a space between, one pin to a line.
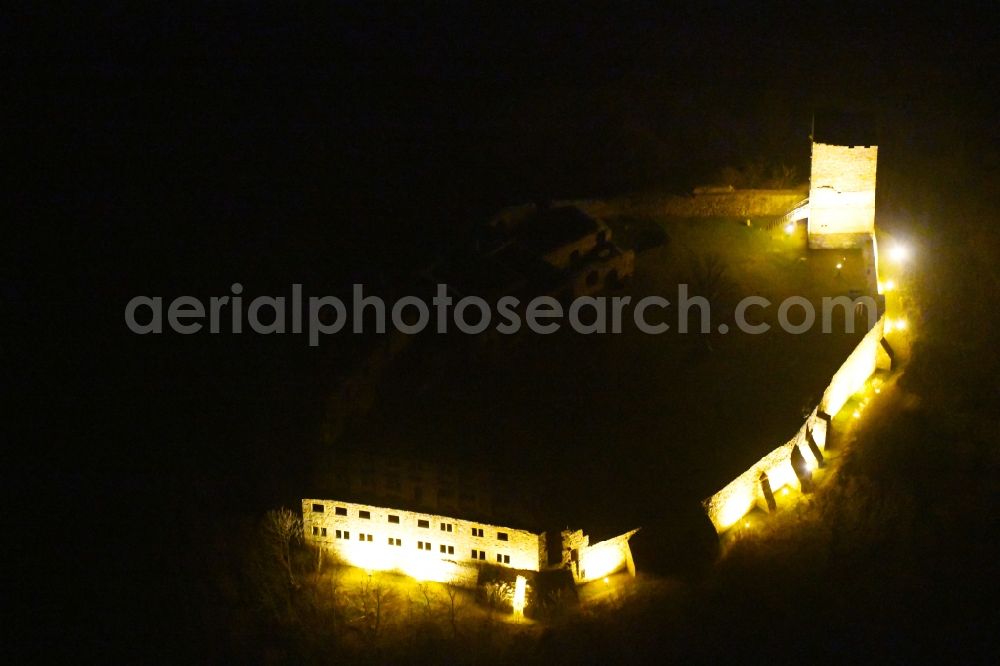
pixel 842 181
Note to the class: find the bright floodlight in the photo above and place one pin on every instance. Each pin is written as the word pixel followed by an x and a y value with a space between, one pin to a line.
pixel 790 228
pixel 520 583
pixel 899 253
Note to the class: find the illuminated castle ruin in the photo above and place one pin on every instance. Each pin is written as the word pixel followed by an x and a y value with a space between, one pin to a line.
pixel 840 211
pixel 452 550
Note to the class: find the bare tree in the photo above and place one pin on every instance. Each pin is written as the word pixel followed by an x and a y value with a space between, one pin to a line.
pixel 783 176
pixel 750 175
pixel 337 597
pixel 281 528
pixel 758 173
pixel 454 607
pixel 320 552
pixel 268 580
pixel 375 599
pixel 428 594
pixel 754 172
pixel 708 276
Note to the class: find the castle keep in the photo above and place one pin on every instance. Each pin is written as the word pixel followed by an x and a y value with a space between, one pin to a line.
pixel 842 182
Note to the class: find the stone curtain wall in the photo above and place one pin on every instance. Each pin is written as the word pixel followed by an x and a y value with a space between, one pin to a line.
pixel 524 548
pixel 726 507
pixel 841 195
pixel 745 492
pixel 859 366
pixel 738 203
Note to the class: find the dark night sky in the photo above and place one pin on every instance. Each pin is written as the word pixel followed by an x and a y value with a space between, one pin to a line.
pixel 176 152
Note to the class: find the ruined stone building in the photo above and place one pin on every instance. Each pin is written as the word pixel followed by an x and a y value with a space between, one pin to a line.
pixel 534 250
pixel 431 546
